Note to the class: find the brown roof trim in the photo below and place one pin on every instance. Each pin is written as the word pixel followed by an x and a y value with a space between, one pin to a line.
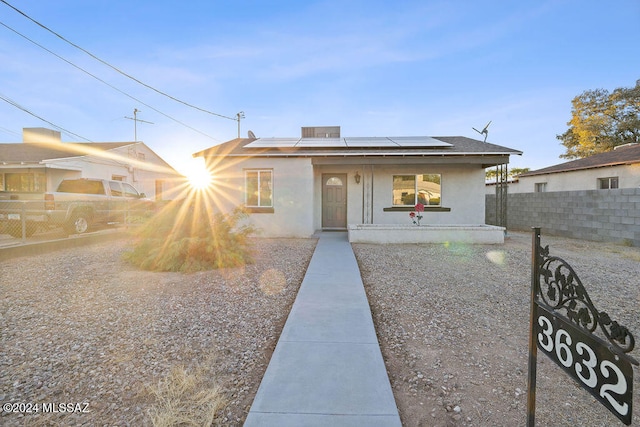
pixel 624 155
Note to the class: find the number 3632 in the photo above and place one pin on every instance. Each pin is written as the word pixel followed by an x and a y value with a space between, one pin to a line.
pixel 586 358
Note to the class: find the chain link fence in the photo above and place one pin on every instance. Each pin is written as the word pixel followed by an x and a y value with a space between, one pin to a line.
pixel 21 219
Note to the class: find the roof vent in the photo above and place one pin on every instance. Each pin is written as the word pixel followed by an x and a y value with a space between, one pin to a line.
pixel 321 132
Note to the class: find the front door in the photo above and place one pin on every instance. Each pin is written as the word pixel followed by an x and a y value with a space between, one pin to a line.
pixel 334 200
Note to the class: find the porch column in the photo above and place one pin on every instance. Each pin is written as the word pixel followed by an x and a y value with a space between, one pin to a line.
pixel 367 194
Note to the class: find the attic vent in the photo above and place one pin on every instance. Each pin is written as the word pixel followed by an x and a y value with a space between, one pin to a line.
pixel 321 132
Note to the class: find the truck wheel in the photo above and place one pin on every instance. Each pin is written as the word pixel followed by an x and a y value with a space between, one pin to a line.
pixel 79 223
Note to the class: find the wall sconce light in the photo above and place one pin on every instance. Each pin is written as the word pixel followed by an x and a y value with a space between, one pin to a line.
pixel 357 177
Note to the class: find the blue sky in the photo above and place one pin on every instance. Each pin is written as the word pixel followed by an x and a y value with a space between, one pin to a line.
pixel 376 68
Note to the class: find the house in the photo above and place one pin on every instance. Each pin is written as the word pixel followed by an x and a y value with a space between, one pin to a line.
pixel 292 187
pixel 42 160
pixel 619 168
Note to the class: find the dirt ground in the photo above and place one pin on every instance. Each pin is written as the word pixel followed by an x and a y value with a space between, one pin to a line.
pixel 452 321
pixel 453 324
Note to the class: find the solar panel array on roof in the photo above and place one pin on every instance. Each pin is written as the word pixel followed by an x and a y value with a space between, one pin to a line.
pixel 355 142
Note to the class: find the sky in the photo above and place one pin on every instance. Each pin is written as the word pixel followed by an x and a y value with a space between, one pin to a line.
pixel 375 68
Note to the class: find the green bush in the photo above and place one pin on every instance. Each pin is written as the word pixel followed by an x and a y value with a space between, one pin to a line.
pixel 186 237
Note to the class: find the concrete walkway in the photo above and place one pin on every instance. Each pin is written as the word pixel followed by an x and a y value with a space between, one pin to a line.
pixel 327 368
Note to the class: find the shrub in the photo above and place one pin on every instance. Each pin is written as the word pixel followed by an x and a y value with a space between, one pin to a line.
pixel 184 399
pixel 186 237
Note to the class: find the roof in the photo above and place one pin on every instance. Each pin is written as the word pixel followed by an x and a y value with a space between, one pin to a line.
pixel 355 146
pixel 623 155
pixel 35 152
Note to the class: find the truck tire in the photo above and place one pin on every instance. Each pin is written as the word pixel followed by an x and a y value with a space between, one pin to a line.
pixel 15 229
pixel 79 223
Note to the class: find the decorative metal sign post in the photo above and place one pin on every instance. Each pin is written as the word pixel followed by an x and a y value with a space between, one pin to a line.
pixel 562 324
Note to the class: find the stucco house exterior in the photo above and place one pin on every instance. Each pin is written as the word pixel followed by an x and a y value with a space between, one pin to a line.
pixel 42 160
pixel 293 187
pixel 619 168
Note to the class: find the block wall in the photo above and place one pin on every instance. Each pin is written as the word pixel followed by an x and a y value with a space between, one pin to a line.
pixel 596 215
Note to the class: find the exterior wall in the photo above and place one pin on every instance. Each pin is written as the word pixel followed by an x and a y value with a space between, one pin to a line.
pixel 587 179
pixel 597 215
pixel 294 214
pixel 462 192
pixel 142 174
pixel 297 192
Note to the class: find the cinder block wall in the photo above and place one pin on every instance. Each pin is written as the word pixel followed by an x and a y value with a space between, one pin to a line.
pixel 597 215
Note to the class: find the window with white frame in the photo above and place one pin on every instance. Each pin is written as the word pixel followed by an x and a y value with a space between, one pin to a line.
pixel 540 187
pixel 608 183
pixel 409 190
pixel 258 186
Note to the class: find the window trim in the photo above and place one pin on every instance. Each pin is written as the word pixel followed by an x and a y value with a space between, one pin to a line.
pixel 415 187
pixel 257 208
pixel 540 187
pixel 608 180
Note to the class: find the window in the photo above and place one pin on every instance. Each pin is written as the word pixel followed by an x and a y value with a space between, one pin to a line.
pixel 118 178
pixel 607 183
pixel 129 191
pixel 540 187
pixel 26 182
pixel 409 190
pixel 334 181
pixel 83 186
pixel 116 190
pixel 259 188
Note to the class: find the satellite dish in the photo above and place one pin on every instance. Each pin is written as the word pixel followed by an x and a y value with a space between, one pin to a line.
pixel 252 135
pixel 484 131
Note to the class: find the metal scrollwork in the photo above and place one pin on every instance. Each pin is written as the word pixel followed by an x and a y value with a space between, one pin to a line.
pixel 561 289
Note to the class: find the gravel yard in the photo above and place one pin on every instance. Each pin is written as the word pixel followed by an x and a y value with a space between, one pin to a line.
pixel 453 325
pixel 82 326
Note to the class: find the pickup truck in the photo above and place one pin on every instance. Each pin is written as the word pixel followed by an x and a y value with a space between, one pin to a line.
pixel 77 205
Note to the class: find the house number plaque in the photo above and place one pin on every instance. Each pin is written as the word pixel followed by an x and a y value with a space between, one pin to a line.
pixel 563 321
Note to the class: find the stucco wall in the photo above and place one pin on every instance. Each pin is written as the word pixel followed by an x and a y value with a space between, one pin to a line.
pixel 297 190
pixel 597 215
pixel 293 196
pixel 628 177
pixel 462 192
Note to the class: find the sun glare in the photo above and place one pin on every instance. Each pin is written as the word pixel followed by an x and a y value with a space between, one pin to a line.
pixel 199 177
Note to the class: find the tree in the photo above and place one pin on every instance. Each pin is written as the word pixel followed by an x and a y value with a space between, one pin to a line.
pixel 490 173
pixel 601 121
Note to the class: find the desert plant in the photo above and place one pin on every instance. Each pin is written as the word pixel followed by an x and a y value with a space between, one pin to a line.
pixel 186 237
pixel 184 399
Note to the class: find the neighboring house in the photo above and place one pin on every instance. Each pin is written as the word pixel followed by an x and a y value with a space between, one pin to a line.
pixel 292 187
pixel 619 168
pixel 42 160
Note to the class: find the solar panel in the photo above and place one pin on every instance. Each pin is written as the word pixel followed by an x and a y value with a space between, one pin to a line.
pixel 350 142
pixel 322 142
pixel 273 143
pixel 418 141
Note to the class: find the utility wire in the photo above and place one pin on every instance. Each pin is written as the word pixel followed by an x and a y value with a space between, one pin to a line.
pixel 15 104
pixel 106 83
pixel 113 67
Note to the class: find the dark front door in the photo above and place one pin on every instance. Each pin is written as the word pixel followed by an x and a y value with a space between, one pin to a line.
pixel 334 200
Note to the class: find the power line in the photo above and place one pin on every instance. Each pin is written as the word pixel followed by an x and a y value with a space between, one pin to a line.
pixel 104 82
pixel 15 104
pixel 113 67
